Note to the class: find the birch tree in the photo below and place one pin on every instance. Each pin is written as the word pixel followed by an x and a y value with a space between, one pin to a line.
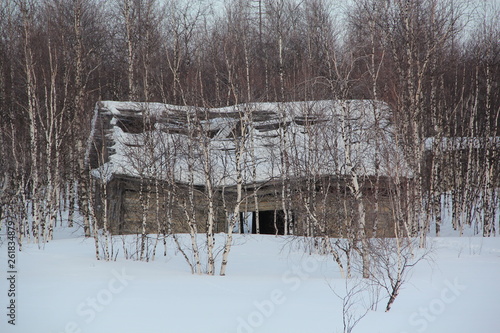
pixel 79 105
pixel 240 134
pixel 27 10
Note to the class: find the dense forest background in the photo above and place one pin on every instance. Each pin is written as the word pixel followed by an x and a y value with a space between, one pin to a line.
pixel 436 63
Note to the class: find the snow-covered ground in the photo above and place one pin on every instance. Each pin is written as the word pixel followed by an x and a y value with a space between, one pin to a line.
pixel 271 286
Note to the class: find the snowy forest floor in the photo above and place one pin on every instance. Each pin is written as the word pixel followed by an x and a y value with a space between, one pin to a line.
pixel 271 286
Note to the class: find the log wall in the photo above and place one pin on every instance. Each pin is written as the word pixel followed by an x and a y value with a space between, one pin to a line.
pixel 335 216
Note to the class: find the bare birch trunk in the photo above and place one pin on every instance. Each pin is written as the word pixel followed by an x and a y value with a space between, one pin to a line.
pixel 189 211
pixel 356 191
pixel 144 198
pixel 236 211
pixel 93 220
pixel 254 178
pixel 33 119
pixel 159 227
pixel 127 15
pixel 83 186
pixel 488 222
pixel 207 169
pixel 105 221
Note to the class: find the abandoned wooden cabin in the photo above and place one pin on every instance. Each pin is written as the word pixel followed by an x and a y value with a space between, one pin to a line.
pixel 160 166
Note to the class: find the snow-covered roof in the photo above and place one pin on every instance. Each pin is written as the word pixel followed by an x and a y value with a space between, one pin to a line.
pixel 159 140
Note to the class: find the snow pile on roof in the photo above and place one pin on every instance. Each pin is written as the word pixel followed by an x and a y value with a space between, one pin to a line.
pixel 153 140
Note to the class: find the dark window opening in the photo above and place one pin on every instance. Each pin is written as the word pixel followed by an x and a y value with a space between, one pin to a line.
pixel 270 222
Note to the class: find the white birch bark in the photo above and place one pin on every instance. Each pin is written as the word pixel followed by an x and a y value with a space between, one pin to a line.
pixel 32 110
pixel 355 188
pixel 127 12
pixel 81 150
pixel 189 207
pixel 240 146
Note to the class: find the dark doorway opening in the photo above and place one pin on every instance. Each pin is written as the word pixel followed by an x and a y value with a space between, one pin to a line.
pixel 270 222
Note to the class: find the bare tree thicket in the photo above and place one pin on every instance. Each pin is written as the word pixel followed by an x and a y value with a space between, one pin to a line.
pixel 436 64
